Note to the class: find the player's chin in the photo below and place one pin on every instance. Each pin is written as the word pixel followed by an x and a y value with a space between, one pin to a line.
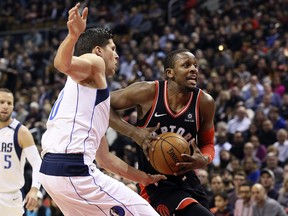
pixel 191 87
pixel 110 73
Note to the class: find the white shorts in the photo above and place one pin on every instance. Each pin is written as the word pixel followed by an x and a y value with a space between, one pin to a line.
pixel 11 204
pixel 97 194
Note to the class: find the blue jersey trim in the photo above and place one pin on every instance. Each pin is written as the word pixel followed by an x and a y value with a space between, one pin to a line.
pixel 18 149
pixel 102 95
pixel 64 165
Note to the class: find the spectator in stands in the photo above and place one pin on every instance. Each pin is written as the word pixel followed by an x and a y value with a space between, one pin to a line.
pixel 251 168
pixel 249 152
pixel 283 195
pixel 221 143
pixel 264 205
pixel 217 186
pixel 222 205
pixel 277 120
pixel 267 180
pixel 239 177
pixel 259 149
pixel 238 145
pixel 282 146
pixel 284 108
pixel 203 176
pixel 244 205
pixel 272 164
pixel 267 135
pixel 240 122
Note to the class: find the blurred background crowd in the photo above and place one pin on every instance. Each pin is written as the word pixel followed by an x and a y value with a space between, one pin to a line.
pixel 242 52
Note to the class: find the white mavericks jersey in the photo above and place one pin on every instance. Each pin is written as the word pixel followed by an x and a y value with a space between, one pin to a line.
pixel 78 120
pixel 12 159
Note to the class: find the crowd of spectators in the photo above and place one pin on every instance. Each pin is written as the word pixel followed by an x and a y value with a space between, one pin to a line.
pixel 242 52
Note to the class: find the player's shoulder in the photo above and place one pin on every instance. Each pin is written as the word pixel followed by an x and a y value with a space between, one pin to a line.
pixel 206 97
pixel 23 129
pixel 143 86
pixel 93 59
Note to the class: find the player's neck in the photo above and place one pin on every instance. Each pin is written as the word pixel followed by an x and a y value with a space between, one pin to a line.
pixel 5 123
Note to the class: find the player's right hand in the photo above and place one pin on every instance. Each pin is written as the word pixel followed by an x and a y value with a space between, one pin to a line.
pixel 144 137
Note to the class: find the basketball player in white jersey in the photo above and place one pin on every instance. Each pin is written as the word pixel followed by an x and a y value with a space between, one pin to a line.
pixel 17 144
pixel 76 127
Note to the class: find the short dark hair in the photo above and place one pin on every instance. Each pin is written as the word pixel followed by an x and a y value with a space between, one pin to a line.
pixel 222 194
pixel 5 90
pixel 91 38
pixel 170 59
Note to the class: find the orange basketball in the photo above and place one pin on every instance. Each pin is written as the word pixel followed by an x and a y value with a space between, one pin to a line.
pixel 167 152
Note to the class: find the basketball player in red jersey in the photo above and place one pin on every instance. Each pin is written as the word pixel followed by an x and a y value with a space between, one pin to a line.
pixel 174 105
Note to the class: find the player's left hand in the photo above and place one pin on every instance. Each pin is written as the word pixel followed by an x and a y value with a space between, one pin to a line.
pixel 31 199
pixel 192 162
pixel 153 179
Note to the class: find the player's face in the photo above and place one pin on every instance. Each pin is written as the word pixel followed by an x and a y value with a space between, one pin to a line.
pixel 6 106
pixel 110 57
pixel 185 70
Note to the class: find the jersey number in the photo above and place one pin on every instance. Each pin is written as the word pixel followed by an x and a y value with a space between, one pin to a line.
pixel 7 160
pixel 56 106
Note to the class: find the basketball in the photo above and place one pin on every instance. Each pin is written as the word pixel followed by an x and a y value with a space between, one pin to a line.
pixel 167 152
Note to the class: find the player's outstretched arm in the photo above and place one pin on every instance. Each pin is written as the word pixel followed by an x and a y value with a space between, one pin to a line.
pixel 112 163
pixel 64 60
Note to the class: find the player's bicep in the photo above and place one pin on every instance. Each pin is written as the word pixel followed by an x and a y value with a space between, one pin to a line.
pixel 85 66
pixel 207 112
pixel 25 137
pixel 130 96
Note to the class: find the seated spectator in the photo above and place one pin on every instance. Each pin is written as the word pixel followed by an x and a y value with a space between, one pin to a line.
pixel 234 165
pixel 264 204
pixel 254 100
pixel 259 118
pixel 221 143
pixel 237 142
pixel 277 120
pixel 267 135
pixel 227 179
pixel 283 195
pixel 217 186
pixel 267 180
pixel 253 130
pixel 275 99
pixel 272 164
pixel 251 168
pixel 203 176
pixel 225 159
pixel 249 152
pixel 222 207
pixel 282 146
pixel 244 205
pixel 240 122
pixel 221 106
pixel 249 88
pixel 239 178
pixel 284 108
pixel 260 150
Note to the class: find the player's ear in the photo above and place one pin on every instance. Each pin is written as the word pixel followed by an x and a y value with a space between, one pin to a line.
pixel 169 72
pixel 97 50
